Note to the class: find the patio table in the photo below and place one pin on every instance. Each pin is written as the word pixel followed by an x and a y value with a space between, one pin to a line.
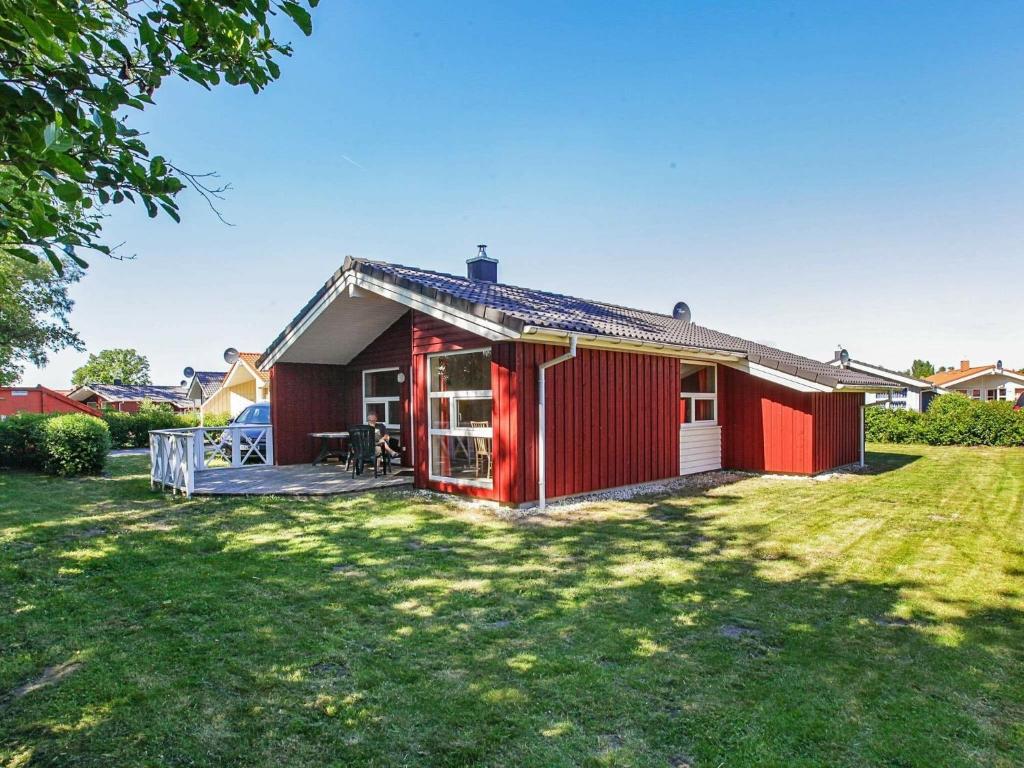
pixel 325 445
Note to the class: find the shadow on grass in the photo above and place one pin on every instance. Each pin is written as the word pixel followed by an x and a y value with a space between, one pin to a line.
pixel 389 629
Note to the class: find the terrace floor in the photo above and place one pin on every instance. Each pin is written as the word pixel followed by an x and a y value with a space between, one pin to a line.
pixel 293 480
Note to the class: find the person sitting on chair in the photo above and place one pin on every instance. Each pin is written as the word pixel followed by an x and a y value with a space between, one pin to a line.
pixel 383 439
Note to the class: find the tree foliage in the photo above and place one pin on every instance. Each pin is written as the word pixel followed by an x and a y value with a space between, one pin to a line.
pixel 70 71
pixel 124 365
pixel 921 369
pixel 34 308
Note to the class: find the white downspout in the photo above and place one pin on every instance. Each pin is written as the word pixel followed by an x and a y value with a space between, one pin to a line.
pixel 541 426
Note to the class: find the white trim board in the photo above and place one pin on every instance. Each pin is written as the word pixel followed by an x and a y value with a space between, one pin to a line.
pixel 353 282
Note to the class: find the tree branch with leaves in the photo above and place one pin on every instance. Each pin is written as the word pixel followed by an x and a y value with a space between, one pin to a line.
pixel 71 72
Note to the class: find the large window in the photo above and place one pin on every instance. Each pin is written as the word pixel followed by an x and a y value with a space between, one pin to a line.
pixel 382 395
pixel 698 395
pixel 461 435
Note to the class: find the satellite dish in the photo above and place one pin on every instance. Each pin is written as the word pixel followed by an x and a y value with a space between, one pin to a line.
pixel 230 355
pixel 844 358
pixel 183 383
pixel 681 311
pixel 999 365
pixel 117 382
pixel 189 372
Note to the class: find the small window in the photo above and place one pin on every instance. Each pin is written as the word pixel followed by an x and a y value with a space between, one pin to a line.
pixel 382 396
pixel 19 393
pixel 698 395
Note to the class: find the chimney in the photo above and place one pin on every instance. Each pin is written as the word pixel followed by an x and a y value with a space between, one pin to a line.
pixel 482 267
pixel 965 364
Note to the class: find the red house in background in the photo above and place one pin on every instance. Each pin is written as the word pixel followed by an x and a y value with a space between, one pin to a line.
pixel 518 395
pixel 38 399
pixel 128 397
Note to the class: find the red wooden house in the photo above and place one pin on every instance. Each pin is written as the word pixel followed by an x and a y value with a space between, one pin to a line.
pixel 129 397
pixel 39 399
pixel 517 395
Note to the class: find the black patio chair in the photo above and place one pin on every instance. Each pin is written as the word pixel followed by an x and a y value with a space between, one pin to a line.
pixel 362 448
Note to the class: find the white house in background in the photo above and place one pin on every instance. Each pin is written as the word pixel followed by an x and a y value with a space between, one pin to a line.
pixel 981 382
pixel 913 395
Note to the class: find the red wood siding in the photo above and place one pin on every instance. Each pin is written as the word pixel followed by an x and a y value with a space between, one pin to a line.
pixel 612 420
pixel 39 400
pixel 392 349
pixel 304 398
pixel 770 428
pixel 430 335
pixel 836 429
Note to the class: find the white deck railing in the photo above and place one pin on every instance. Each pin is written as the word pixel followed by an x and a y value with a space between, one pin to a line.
pixel 175 455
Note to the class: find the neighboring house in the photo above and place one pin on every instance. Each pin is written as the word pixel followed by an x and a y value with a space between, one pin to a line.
pixel 456 365
pixel 128 397
pixel 910 394
pixel 243 385
pixel 203 385
pixel 38 399
pixel 981 382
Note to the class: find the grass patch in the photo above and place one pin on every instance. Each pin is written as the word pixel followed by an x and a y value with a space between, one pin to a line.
pixel 867 620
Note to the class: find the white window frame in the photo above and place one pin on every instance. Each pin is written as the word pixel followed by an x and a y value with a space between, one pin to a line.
pixel 692 396
pixel 451 396
pixel 385 401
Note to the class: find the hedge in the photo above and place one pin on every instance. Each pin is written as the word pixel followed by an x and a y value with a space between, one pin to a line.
pixel 68 444
pixel 21 443
pixel 74 444
pixel 950 420
pixel 131 430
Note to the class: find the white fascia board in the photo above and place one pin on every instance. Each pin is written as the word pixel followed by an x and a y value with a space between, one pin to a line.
pixel 987 372
pixel 457 317
pixel 80 393
pixel 906 381
pixel 353 282
pixel 779 377
pixel 535 335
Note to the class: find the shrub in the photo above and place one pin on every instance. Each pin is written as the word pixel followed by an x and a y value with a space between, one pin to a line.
pixel 74 444
pixel 889 425
pixel 21 442
pixel 950 420
pixel 131 430
pixel 215 419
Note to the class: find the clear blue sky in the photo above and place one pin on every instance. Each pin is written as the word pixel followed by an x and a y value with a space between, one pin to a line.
pixel 799 173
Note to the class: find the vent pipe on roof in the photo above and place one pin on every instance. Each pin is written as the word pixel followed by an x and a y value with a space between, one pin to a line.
pixel 482 267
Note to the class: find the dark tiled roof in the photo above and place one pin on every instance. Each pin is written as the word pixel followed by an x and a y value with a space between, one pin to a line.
pixel 210 381
pixel 135 392
pixel 516 308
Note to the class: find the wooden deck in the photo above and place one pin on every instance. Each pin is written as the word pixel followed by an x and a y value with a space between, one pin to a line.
pixel 293 480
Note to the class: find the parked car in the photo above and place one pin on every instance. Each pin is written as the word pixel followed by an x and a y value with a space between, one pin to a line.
pixel 255 414
pixel 1019 405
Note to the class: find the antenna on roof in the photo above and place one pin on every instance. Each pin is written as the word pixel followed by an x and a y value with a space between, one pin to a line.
pixel 681 312
pixel 189 372
pixel 230 355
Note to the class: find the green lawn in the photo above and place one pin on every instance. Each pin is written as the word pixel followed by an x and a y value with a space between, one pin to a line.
pixel 867 620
